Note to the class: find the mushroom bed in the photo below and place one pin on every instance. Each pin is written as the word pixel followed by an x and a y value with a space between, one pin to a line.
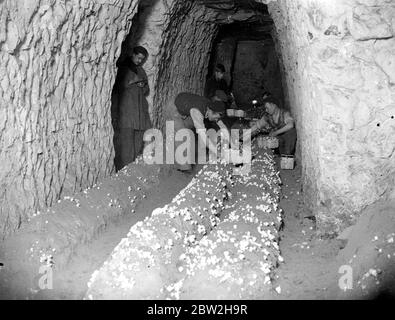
pixel 217 239
pixel 53 236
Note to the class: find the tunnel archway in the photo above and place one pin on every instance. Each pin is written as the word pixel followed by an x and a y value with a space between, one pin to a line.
pixel 247 51
pixel 336 60
pixel 337 74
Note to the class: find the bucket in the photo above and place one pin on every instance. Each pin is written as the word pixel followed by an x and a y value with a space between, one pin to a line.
pixel 287 162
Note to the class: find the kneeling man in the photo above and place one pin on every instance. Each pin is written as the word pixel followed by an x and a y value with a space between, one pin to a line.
pixel 281 124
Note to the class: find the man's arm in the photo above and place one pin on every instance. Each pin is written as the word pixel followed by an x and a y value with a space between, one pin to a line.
pixel 225 87
pixel 258 125
pixel 146 88
pixel 144 81
pixel 222 125
pixel 284 129
pixel 225 130
pixel 255 128
pixel 289 124
pixel 198 122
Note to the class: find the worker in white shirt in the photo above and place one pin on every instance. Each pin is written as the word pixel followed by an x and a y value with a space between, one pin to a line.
pixel 279 123
pixel 192 110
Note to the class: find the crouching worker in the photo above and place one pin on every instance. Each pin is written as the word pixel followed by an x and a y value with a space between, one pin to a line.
pixel 192 110
pixel 280 124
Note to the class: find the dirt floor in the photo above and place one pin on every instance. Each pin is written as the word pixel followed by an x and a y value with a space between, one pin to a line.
pixel 312 267
pixel 309 262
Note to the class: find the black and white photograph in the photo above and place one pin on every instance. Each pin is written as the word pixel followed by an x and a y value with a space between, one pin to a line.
pixel 207 152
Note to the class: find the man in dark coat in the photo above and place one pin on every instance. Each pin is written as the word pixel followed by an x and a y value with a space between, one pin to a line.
pixel 133 118
pixel 217 83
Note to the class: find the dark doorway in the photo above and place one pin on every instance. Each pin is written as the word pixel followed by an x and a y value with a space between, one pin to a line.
pixel 248 53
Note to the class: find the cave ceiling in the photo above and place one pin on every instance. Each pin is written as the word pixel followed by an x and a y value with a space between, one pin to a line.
pixel 231 11
pixel 228 5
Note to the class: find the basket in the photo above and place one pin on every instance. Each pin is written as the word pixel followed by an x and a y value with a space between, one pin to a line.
pixel 240 113
pixel 230 112
pixel 267 142
pixel 287 162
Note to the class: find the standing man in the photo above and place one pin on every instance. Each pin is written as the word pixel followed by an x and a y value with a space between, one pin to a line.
pixel 133 118
pixel 191 112
pixel 217 82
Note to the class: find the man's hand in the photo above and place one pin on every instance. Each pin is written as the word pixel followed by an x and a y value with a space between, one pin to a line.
pixel 273 134
pixel 225 155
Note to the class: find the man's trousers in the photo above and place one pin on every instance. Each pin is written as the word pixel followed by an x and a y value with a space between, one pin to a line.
pixel 130 144
pixel 287 142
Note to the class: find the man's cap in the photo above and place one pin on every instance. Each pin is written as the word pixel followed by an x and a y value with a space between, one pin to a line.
pixel 217 106
pixel 271 100
pixel 266 93
pixel 221 95
pixel 140 50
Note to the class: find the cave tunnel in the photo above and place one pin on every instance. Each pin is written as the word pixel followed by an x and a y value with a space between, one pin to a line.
pixel 247 51
pixel 329 64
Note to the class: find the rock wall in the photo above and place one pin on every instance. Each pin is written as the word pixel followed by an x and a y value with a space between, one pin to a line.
pixel 184 56
pixel 58 64
pixel 339 63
